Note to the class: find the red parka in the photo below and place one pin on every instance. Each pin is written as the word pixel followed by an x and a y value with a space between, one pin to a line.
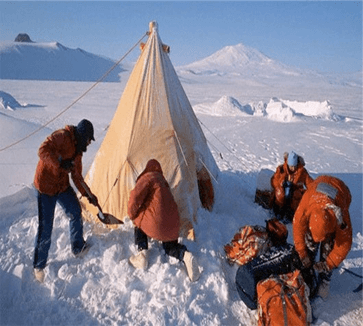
pixel 152 207
pixel 49 177
pixel 322 196
pixel 300 179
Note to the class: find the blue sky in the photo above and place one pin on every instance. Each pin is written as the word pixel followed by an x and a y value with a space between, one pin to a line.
pixel 323 35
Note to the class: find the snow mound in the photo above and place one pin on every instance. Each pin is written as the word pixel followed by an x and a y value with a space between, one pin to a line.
pixel 276 109
pixel 8 102
pixel 286 111
pixel 225 106
pixel 314 109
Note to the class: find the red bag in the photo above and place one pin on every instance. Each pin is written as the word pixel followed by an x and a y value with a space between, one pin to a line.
pixel 247 244
pixel 283 301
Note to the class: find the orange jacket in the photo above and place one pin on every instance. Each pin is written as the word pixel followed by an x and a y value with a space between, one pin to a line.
pixel 152 207
pixel 49 177
pixel 300 179
pixel 314 200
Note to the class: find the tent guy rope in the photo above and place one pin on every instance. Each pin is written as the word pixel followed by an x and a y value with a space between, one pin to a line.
pixel 78 99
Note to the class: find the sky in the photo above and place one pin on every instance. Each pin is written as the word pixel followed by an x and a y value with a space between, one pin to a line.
pixel 325 36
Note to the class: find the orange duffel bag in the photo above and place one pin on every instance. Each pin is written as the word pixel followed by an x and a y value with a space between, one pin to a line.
pixel 283 300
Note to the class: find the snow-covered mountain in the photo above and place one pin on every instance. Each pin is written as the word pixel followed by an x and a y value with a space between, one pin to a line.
pixel 246 62
pixel 238 59
pixel 53 61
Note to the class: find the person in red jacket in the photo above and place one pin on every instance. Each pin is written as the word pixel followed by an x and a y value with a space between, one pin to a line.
pixel 154 212
pixel 61 154
pixel 289 183
pixel 322 220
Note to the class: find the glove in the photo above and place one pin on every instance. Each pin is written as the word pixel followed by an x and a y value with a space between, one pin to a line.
pixel 93 200
pixel 306 262
pixel 321 267
pixel 67 165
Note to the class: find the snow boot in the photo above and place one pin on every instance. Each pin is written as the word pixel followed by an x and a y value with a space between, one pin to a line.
pixel 39 274
pixel 192 266
pixel 140 260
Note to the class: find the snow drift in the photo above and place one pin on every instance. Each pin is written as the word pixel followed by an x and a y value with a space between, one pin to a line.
pixel 53 61
pixel 276 109
pixel 8 102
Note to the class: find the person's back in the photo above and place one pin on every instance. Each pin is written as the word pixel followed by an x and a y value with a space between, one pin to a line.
pixel 158 216
pixel 322 219
pixel 154 212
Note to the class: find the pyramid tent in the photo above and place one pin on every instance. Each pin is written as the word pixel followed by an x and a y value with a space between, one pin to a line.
pixel 154 120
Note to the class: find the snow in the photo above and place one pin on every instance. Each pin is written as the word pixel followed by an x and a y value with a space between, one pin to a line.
pixel 249 121
pixel 52 61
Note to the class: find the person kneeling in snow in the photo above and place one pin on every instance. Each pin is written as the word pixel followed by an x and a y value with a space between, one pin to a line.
pixel 60 154
pixel 289 183
pixel 154 212
pixel 322 219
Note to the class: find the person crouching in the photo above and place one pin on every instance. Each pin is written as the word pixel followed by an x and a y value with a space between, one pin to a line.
pixel 322 220
pixel 154 212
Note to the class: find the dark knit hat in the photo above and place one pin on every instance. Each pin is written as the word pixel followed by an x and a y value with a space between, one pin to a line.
pixel 85 129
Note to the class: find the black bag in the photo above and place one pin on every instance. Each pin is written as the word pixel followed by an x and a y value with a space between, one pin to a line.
pixel 277 260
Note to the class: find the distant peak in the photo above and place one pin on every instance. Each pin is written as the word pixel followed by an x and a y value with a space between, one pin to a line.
pixel 234 56
pixel 23 37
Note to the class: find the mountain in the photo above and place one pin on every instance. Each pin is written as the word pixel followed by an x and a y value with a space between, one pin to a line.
pixel 53 61
pixel 243 61
pixel 239 60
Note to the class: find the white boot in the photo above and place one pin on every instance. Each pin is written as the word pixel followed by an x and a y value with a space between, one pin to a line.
pixel 192 266
pixel 140 260
pixel 39 274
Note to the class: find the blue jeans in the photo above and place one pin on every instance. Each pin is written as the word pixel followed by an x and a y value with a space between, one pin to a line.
pixel 46 206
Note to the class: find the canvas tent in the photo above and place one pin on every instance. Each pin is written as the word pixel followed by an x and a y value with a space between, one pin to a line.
pixel 154 119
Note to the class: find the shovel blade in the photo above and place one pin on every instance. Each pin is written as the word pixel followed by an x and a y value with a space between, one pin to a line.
pixel 108 218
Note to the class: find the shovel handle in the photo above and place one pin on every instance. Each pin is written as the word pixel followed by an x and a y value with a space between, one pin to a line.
pixel 90 194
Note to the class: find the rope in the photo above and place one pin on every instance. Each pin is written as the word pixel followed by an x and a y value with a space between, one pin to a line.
pixel 182 152
pixel 243 163
pixel 210 173
pixel 78 99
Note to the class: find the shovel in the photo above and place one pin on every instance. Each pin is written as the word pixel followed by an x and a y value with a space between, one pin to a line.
pixel 103 217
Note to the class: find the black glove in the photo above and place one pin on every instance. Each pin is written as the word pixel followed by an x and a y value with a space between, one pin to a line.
pixel 93 200
pixel 67 164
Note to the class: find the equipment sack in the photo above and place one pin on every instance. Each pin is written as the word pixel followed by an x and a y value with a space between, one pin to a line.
pixel 247 244
pixel 283 301
pixel 277 260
